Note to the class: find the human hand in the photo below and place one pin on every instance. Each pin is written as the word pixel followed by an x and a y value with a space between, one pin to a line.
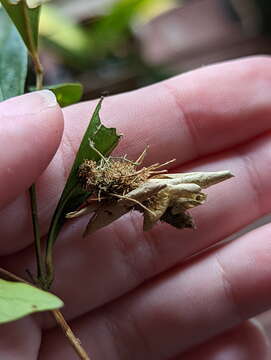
pixel 134 295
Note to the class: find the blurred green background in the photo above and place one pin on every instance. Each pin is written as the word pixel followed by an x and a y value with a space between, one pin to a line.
pixel 113 46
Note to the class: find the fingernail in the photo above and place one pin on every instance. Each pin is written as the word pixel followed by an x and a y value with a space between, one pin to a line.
pixel 31 103
pixel 48 98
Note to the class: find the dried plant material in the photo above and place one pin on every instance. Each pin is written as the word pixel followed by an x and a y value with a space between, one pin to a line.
pixel 182 192
pixel 114 177
pixel 113 209
pixel 203 179
pixel 176 196
pixel 118 186
pixel 180 221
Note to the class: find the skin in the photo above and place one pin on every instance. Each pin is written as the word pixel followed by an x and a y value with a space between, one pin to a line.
pixel 134 295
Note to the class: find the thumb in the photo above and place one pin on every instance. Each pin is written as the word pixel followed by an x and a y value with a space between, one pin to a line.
pixel 31 127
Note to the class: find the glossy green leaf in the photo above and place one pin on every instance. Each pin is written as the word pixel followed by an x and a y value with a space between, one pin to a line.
pixel 26 20
pixel 13 59
pixel 67 94
pixel 19 299
pixel 105 140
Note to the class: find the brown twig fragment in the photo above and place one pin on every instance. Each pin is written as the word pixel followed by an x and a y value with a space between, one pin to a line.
pixel 74 341
pixel 12 276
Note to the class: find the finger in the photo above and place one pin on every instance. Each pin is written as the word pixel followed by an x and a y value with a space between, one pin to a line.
pixel 30 129
pixel 177 118
pixel 20 340
pixel 185 307
pixel 265 320
pixel 125 257
pixel 245 342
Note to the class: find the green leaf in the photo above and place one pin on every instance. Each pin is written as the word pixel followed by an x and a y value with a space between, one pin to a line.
pixel 67 94
pixel 105 140
pixel 13 59
pixel 26 20
pixel 19 299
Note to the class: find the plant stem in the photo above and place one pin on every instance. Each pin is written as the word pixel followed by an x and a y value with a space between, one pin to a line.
pixel 75 342
pixel 41 275
pixel 38 70
pixel 12 276
pixel 32 191
pixel 37 237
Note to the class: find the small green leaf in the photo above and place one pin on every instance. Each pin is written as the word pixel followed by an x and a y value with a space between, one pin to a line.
pixel 67 94
pixel 105 140
pixel 26 20
pixel 13 59
pixel 19 299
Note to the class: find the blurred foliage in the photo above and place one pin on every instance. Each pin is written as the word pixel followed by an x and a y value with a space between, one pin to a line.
pixel 26 20
pixel 98 37
pixel 102 52
pixel 13 59
pixel 68 39
pixel 111 30
pixel 100 46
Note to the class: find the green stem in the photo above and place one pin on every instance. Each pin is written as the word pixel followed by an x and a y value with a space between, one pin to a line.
pixel 38 70
pixel 32 191
pixel 41 275
pixel 37 237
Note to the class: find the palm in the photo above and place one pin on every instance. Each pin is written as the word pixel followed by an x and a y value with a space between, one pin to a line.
pixel 129 294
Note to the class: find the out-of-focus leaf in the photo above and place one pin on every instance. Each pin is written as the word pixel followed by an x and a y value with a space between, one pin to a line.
pixel 105 140
pixel 112 28
pixel 13 59
pixel 64 36
pixel 115 27
pixel 26 20
pixel 19 299
pixel 68 93
pixel 153 8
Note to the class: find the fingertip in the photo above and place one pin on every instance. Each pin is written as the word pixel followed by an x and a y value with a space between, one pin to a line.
pixel 31 128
